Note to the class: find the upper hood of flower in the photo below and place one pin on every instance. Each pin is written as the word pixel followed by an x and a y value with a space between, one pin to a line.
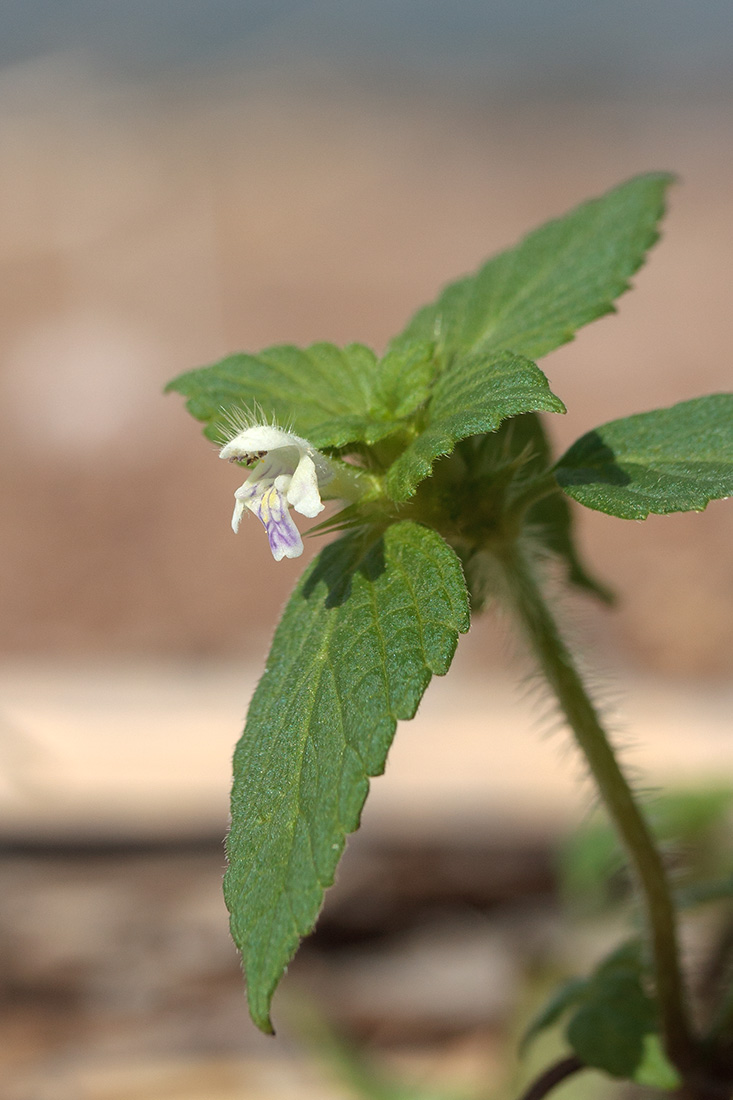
pixel 262 437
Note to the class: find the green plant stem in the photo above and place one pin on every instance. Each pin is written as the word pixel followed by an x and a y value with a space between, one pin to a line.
pixel 559 669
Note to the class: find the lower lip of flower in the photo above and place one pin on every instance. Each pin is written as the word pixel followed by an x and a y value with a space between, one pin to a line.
pixel 272 510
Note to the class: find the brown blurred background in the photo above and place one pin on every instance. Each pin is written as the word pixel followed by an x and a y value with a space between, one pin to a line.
pixel 180 181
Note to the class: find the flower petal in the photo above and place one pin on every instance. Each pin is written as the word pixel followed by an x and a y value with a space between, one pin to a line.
pixel 271 509
pixel 284 471
pixel 263 437
pixel 239 506
pixel 303 491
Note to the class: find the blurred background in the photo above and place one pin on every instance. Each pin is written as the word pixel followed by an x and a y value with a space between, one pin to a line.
pixel 187 178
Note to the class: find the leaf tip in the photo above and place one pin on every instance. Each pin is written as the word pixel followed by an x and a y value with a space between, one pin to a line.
pixel 259 1010
pixel 173 385
pixel 265 1026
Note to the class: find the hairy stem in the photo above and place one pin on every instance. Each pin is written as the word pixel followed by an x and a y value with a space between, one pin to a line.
pixel 559 669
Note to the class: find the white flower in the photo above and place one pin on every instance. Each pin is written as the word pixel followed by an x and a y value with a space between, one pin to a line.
pixel 284 470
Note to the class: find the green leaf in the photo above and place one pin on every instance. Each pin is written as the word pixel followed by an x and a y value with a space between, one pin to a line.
pixel 609 1028
pixel 655 1071
pixel 403 380
pixel 551 520
pixel 532 298
pixel 478 469
pixel 332 396
pixel 614 1028
pixel 474 397
pixel 670 460
pixel 562 999
pixel 366 628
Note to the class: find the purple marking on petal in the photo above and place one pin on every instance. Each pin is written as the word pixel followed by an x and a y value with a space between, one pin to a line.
pixel 284 538
pixel 272 511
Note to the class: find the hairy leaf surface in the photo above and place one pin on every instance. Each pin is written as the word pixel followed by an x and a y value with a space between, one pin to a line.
pixel 474 397
pixel 362 635
pixel 534 297
pixel 669 460
pixel 332 396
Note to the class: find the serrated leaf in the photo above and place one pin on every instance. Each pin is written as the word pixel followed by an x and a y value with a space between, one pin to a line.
pixel 669 460
pixel 532 298
pixel 300 388
pixel 365 630
pixel 609 1028
pixel 474 397
pixel 332 396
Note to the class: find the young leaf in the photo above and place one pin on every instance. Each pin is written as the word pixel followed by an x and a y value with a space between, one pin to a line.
pixel 670 460
pixel 474 397
pixel 478 467
pixel 614 1027
pixel 332 396
pixel 532 298
pixel 551 519
pixel 615 1015
pixel 365 630
pixel 655 1071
